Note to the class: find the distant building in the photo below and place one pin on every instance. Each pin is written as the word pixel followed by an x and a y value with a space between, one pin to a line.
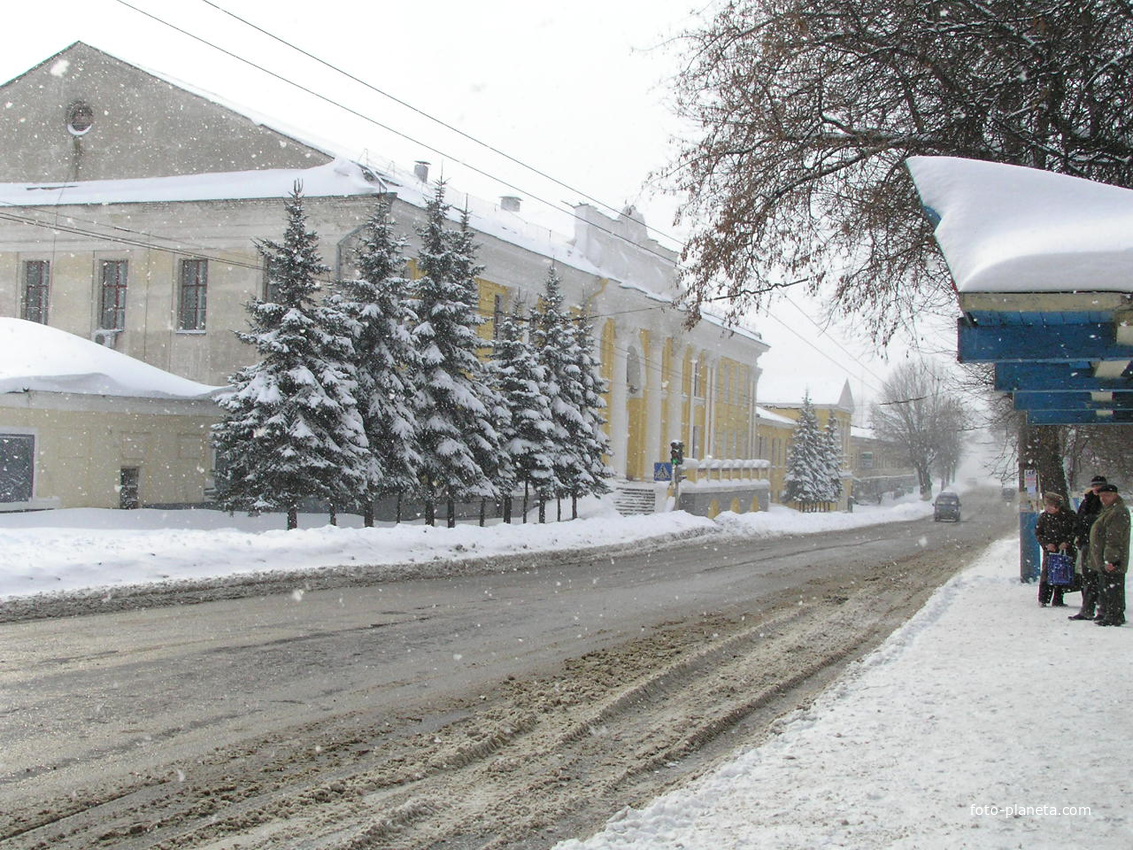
pixel 832 401
pixel 880 468
pixel 132 206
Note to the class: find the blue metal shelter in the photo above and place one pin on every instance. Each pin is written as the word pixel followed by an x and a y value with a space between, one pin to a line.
pixel 1042 265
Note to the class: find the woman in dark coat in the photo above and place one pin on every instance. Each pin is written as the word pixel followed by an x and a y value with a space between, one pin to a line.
pixel 1056 530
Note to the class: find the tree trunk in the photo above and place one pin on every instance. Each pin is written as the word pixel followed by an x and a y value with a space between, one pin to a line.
pixel 924 481
pixel 451 513
pixel 368 514
pixel 292 517
pixel 1042 451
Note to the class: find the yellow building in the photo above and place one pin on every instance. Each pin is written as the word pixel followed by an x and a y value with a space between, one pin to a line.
pixel 832 401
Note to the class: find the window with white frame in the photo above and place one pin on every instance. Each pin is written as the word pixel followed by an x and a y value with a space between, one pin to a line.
pixel 37 282
pixel 193 295
pixel 112 295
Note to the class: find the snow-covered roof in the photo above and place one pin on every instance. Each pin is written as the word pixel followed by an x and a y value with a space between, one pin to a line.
pixel 45 359
pixel 336 179
pixel 1006 228
pixel 771 416
pixel 788 390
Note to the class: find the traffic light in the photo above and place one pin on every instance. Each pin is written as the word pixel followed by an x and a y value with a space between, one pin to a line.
pixel 677 452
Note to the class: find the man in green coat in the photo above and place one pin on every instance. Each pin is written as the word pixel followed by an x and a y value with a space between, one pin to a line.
pixel 1109 554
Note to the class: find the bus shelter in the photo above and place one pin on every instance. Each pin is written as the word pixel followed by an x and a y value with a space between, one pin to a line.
pixel 1042 265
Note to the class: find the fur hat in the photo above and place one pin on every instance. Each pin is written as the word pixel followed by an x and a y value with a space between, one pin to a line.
pixel 1097 479
pixel 1053 499
pixel 1108 488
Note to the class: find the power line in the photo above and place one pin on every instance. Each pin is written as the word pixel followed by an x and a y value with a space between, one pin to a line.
pixel 816 348
pixel 844 350
pixel 376 123
pixel 405 104
pixel 390 129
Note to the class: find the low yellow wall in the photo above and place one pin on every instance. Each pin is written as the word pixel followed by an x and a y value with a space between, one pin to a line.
pixel 79 453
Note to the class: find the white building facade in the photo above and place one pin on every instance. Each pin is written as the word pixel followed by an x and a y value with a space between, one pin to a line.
pixel 131 209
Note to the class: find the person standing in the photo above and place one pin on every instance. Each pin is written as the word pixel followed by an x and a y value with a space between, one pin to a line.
pixel 1109 554
pixel 1055 531
pixel 1088 511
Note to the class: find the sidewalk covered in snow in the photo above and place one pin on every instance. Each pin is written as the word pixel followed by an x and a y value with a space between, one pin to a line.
pixel 982 722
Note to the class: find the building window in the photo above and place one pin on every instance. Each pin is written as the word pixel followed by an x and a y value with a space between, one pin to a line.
pixel 193 296
pixel 129 479
pixel 497 315
pixel 17 467
pixel 867 460
pixel 37 277
pixel 112 298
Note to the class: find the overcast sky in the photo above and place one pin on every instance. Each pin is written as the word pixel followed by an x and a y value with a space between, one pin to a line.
pixel 577 91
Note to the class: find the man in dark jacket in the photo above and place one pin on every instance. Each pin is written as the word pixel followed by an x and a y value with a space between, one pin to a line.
pixel 1088 511
pixel 1055 530
pixel 1109 554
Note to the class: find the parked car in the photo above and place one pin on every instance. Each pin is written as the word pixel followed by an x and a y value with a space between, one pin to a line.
pixel 946 507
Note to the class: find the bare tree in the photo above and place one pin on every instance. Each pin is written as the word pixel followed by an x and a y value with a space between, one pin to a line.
pixel 919 411
pixel 808 109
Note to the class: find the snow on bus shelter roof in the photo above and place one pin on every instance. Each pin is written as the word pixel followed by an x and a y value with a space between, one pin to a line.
pixel 1008 228
pixel 1043 268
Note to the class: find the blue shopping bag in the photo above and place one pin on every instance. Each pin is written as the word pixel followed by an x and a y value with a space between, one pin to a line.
pixel 1059 569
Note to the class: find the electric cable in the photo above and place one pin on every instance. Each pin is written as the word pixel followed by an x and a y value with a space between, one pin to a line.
pixel 405 104
pixel 387 128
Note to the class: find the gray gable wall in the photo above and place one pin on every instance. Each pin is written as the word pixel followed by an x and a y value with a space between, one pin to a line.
pixel 142 126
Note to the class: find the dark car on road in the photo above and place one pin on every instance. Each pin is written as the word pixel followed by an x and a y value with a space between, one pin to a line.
pixel 946 507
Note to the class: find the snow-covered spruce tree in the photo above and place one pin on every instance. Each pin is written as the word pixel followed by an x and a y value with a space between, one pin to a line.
pixel 806 476
pixel 553 337
pixel 455 410
pixel 486 443
pixel 591 477
pixel 291 429
pixel 529 438
pixel 376 305
pixel 833 460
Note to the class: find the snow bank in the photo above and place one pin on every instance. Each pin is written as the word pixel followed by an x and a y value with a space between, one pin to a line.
pixel 79 549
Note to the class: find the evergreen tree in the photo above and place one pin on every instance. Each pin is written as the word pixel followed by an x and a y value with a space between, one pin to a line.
pixel 593 475
pixel 807 472
pixel 833 460
pixel 486 442
pixel 553 337
pixel 292 430
pixel 381 319
pixel 529 439
pixel 455 410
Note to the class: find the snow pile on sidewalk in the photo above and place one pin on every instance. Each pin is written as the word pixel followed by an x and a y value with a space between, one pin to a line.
pixel 984 722
pixel 69 550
